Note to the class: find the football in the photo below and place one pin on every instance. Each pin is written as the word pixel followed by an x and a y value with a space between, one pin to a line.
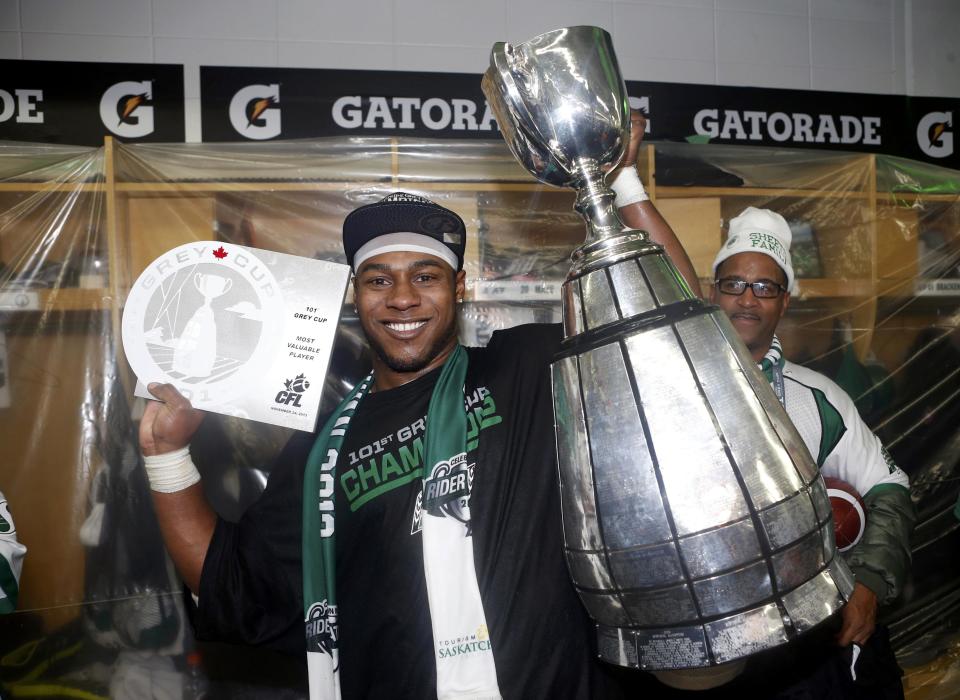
pixel 849 512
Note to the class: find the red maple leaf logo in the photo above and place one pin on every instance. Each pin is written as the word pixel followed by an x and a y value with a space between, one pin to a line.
pixel 220 253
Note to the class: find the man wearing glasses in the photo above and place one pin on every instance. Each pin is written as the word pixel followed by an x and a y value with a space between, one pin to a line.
pixel 753 279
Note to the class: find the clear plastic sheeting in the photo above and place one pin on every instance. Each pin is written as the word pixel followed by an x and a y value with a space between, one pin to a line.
pixel 876 249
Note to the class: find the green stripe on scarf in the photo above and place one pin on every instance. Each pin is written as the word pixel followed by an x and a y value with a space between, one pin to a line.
pixel 772 358
pixel 10 585
pixel 446 434
pixel 319 551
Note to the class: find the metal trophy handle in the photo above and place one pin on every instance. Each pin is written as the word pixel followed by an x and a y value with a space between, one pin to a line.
pixel 697 528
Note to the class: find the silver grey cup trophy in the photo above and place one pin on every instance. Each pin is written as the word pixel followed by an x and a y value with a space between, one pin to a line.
pixel 696 525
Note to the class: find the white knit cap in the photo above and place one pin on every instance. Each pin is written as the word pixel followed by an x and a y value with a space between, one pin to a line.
pixel 759 231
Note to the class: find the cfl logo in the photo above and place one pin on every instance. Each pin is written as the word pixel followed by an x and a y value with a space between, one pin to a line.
pixel 288 398
pixel 125 109
pixel 294 388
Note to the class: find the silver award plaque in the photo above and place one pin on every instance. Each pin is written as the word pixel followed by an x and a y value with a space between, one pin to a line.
pixel 236 330
pixel 693 516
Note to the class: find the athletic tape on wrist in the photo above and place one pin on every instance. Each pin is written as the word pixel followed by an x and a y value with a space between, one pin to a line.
pixel 627 186
pixel 170 472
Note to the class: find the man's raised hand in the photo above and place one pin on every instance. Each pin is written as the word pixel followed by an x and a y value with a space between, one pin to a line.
pixel 168 424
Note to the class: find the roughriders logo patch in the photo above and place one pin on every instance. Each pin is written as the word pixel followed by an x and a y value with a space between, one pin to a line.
pixel 322 630
pixel 446 492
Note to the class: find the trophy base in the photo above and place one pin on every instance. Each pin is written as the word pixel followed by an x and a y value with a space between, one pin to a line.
pixel 727 640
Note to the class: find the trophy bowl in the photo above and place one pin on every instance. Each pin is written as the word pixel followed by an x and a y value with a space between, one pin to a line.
pixel 560 103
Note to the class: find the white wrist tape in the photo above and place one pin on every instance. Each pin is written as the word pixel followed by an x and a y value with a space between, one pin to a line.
pixel 628 188
pixel 173 471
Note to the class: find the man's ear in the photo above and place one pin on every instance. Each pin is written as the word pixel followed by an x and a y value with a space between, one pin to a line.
pixel 786 303
pixel 460 284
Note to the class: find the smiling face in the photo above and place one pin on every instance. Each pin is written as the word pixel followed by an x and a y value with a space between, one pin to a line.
pixel 754 319
pixel 407 307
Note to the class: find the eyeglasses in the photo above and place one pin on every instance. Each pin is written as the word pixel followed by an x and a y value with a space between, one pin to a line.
pixel 761 290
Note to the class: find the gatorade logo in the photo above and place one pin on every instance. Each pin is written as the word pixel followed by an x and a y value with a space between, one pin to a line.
pixel 126 109
pixel 254 112
pixel 934 135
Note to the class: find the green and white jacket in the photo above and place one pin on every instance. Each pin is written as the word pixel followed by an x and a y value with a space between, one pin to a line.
pixel 11 559
pixel 844 448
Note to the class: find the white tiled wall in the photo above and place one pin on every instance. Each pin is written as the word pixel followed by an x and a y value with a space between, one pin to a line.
pixel 934 52
pixel 9 15
pixel 364 22
pixel 10 45
pixel 883 46
pixel 90 17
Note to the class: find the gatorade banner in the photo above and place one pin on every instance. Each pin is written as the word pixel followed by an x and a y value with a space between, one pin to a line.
pixel 80 103
pixel 286 103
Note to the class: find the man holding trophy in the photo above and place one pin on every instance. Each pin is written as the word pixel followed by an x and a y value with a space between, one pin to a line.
pixel 450 578
pixel 419 540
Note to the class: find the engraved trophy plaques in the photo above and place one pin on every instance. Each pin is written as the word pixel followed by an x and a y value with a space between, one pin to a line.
pixel 696 525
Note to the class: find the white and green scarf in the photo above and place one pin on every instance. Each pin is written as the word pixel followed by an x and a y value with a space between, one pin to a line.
pixel 772 367
pixel 11 560
pixel 462 648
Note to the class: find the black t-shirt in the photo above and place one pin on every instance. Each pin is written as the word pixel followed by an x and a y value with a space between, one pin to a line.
pixel 251 588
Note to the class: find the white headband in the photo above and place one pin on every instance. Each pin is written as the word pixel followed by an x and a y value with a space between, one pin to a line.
pixel 404 242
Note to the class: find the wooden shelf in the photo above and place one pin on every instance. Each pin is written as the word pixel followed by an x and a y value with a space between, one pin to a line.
pixel 699 191
pixel 466 186
pixel 483 186
pixel 549 290
pixel 63 299
pixel 192 191
pixel 77 299
pixel 894 198
pixel 836 288
pixel 181 188
pixel 52 187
